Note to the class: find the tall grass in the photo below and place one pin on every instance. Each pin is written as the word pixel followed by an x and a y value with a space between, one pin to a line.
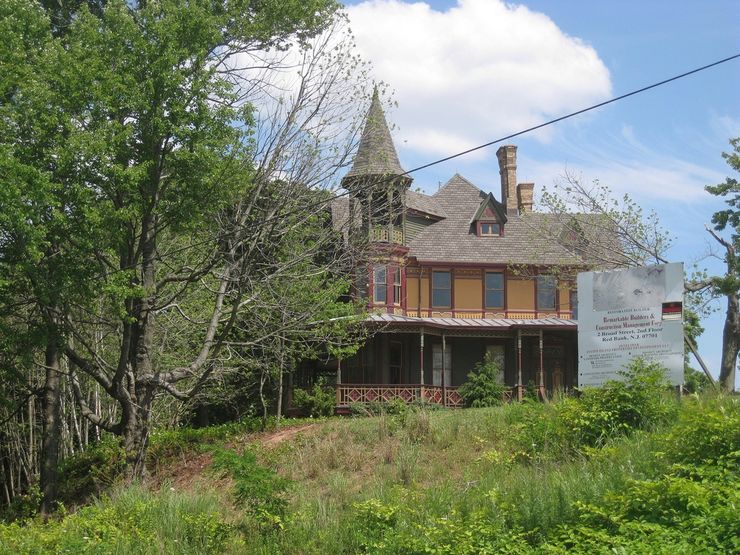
pixel 132 520
pixel 477 480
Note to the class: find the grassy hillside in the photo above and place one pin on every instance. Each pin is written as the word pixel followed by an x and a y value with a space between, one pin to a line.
pixel 624 469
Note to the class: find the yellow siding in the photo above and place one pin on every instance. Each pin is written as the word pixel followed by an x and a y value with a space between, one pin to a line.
pixel 468 293
pixel 424 292
pixel 412 292
pixel 564 294
pixel 520 294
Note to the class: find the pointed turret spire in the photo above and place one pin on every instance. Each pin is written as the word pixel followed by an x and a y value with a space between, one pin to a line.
pixel 376 155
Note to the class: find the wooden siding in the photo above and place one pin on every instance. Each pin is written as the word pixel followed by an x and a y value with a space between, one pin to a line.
pixel 415 225
pixel 468 293
pixel 564 297
pixel 424 291
pixel 520 294
pixel 468 296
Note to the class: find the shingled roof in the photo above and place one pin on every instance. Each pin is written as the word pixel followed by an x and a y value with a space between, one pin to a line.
pixel 376 154
pixel 424 203
pixel 453 239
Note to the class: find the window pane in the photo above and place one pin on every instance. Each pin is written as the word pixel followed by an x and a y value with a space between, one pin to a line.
pixel 441 280
pixel 496 229
pixel 494 280
pixel 545 292
pixel 441 298
pixel 379 293
pixel 494 290
pixel 379 274
pixel 494 299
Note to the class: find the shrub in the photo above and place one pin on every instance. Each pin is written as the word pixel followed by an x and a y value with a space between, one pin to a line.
pixel 22 507
pixel 616 408
pixel 256 488
pixel 318 401
pixel 91 472
pixel 418 425
pixel 482 387
pixel 396 407
pixel 707 433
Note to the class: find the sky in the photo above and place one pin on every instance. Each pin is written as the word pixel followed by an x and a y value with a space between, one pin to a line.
pixel 466 72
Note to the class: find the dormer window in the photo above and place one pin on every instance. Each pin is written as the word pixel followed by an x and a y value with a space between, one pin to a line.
pixel 489 228
pixel 489 218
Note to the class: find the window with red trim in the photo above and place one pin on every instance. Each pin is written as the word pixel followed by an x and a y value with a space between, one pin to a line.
pixel 380 286
pixel 489 229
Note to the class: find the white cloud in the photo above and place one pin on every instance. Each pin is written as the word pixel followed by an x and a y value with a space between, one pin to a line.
pixel 648 177
pixel 474 72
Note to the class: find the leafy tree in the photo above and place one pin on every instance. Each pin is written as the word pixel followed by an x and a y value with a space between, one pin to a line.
pixel 161 161
pixel 728 285
pixel 694 381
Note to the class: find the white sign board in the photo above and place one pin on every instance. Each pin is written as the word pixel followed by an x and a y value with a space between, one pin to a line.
pixel 626 314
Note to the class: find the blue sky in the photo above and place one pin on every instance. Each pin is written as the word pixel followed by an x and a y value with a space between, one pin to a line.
pixel 466 72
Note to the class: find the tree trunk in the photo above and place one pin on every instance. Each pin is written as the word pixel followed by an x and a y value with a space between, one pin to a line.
pixel 730 344
pixel 50 442
pixel 136 437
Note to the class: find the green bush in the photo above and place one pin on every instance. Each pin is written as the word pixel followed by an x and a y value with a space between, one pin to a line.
pixel 394 407
pixel 641 401
pixel 23 506
pixel 707 433
pixel 259 490
pixel 318 401
pixel 482 387
pixel 91 472
pixel 690 508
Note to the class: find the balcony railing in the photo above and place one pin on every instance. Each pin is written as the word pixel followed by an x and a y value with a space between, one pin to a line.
pixel 382 234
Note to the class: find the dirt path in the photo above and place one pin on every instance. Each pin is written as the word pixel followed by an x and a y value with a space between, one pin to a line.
pixel 278 436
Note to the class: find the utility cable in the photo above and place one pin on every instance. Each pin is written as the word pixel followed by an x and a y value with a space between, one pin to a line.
pixel 584 110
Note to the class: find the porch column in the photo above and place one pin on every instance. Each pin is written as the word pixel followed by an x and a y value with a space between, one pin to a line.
pixel 541 380
pixel 444 369
pixel 421 364
pixel 519 385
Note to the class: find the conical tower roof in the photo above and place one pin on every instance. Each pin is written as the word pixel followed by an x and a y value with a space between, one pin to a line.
pixel 376 154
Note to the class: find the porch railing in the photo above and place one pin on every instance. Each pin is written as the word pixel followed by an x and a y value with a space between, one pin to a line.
pixel 348 394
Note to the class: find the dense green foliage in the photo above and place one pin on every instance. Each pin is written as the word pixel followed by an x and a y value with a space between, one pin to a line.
pixel 132 521
pixel 661 477
pixel 317 401
pixel 166 246
pixel 482 388
pixel 257 489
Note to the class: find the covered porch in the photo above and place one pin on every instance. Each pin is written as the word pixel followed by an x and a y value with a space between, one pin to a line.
pixel 426 359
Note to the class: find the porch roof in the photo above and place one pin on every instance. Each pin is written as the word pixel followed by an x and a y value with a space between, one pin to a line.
pixel 474 324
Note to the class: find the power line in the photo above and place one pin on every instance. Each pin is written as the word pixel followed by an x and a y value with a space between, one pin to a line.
pixel 584 110
pixel 324 202
pixel 518 133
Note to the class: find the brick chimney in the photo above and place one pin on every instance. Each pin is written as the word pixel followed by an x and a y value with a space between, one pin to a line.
pixel 525 196
pixel 507 168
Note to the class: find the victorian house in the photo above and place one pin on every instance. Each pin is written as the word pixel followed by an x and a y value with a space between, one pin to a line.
pixel 453 276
